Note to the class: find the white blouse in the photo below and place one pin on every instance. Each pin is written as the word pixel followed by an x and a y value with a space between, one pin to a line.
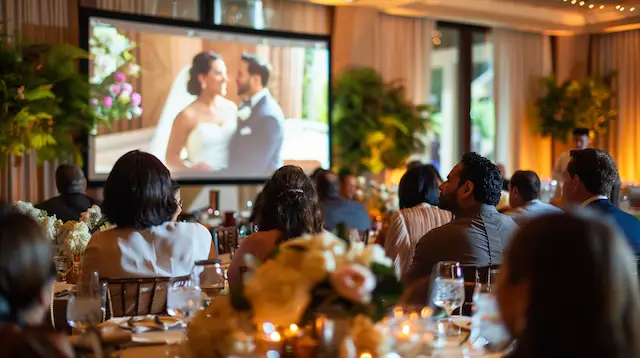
pixel 167 250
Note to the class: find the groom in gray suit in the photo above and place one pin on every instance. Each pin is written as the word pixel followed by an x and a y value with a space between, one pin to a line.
pixel 254 150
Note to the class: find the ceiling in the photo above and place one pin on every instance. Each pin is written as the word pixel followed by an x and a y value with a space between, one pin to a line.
pixel 558 17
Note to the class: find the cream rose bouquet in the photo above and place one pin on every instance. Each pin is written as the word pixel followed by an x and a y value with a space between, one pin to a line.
pixel 50 224
pixel 303 277
pixel 76 236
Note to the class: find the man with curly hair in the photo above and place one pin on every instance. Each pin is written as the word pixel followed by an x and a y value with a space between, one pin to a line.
pixel 478 234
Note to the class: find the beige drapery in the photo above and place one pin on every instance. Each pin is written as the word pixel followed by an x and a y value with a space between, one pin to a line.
pixel 520 58
pixel 398 47
pixel 621 52
pixel 55 21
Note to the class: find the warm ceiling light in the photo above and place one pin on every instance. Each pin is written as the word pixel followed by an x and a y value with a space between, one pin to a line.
pixel 617 7
pixel 633 8
pixel 574 1
pixel 622 8
pixel 591 6
pixel 601 7
pixel 581 3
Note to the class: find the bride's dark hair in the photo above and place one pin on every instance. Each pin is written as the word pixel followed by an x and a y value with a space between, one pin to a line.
pixel 201 65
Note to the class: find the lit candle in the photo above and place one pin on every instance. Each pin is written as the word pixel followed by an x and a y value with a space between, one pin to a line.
pixel 366 355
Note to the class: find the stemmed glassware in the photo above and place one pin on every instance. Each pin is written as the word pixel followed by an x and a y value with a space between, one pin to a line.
pixel 210 278
pixel 448 288
pixel 184 298
pixel 85 309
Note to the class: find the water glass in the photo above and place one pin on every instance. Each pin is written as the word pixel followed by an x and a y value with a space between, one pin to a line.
pixel 448 286
pixel 85 306
pixel 209 276
pixel 184 298
pixel 486 328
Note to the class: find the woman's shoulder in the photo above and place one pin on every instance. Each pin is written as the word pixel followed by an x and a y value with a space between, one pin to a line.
pixel 227 103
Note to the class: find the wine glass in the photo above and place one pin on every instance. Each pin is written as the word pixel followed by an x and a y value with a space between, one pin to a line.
pixel 85 307
pixel 448 289
pixel 210 278
pixel 184 298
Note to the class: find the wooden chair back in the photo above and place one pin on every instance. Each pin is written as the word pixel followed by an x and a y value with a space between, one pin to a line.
pixel 225 239
pixel 472 276
pixel 138 296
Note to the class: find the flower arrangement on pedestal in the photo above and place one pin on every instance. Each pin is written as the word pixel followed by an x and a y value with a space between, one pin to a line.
pixel 305 277
pixel 574 104
pixel 114 67
pixel 379 199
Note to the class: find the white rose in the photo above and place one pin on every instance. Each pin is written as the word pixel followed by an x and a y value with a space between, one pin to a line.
pixel 374 254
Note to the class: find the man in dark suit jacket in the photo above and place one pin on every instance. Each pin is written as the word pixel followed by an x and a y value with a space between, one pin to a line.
pixel 72 200
pixel 255 148
pixel 591 174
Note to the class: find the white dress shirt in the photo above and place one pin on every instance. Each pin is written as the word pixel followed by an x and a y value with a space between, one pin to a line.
pixel 167 250
pixel 592 199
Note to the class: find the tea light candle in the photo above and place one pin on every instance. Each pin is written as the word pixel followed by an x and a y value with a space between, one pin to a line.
pixel 366 355
pixel 270 340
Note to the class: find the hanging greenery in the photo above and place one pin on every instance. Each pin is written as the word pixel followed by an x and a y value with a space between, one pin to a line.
pixel 375 127
pixel 45 100
pixel 574 104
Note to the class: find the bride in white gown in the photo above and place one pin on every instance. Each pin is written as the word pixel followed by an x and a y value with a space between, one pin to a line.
pixel 197 121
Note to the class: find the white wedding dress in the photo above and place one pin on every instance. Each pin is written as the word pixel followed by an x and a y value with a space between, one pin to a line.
pixel 208 142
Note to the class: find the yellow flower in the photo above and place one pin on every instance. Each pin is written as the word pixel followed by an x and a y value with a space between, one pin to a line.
pixel 317 265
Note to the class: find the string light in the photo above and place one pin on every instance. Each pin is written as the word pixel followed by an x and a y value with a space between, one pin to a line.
pixel 591 6
pixel 618 7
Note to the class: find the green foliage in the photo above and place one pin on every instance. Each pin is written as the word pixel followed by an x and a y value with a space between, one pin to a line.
pixel 45 101
pixel 573 104
pixel 376 127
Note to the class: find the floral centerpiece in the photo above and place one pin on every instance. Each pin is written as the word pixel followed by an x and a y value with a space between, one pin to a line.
pixel 114 67
pixel 95 220
pixel 380 199
pixel 320 274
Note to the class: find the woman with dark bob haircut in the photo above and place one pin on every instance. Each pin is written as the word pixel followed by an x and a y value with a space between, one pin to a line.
pixel 289 209
pixel 419 213
pixel 26 276
pixel 140 200
pixel 568 288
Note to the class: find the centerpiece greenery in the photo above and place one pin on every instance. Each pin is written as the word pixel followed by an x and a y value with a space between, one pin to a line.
pixel 45 100
pixel 375 126
pixel 574 104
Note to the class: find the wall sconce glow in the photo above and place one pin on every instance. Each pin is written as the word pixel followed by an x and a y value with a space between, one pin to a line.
pixel 601 7
pixel 581 3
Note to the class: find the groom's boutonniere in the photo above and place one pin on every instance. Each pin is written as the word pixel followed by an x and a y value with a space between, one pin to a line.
pixel 244 113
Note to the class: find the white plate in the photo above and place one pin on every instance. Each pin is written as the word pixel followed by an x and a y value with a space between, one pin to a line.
pixel 463 322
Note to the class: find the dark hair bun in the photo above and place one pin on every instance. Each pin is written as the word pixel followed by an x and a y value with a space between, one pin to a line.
pixel 193 85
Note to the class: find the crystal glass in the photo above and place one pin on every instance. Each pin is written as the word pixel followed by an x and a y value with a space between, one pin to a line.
pixel 210 277
pixel 63 266
pixel 448 286
pixel 85 308
pixel 487 329
pixel 184 298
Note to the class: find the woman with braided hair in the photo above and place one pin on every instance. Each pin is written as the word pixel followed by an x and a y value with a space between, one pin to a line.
pixel 289 209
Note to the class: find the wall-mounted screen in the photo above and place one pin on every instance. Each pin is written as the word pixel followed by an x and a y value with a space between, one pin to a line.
pixel 211 105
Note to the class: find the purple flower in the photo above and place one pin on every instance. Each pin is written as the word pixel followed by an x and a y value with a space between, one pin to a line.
pixel 136 98
pixel 127 88
pixel 94 102
pixel 137 111
pixel 120 77
pixel 116 89
pixel 107 102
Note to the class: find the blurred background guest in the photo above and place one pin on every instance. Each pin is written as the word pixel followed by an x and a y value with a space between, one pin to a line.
pixel 587 263
pixel 590 178
pixel 140 200
pixel 419 213
pixel 581 140
pixel 72 200
pixel 337 209
pixel 289 209
pixel 175 190
pixel 348 184
pixel 524 197
pixel 26 277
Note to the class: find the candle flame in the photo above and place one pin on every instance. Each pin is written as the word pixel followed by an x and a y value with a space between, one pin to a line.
pixel 366 355
pixel 406 329
pixel 275 337
pixel 293 328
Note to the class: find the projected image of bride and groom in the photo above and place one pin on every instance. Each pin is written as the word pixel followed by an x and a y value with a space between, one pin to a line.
pixel 209 105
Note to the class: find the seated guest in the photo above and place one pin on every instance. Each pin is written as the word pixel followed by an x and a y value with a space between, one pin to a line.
pixel 72 201
pixel 348 184
pixel 139 200
pixel 567 288
pixel 524 194
pixel 26 277
pixel 478 234
pixel 419 213
pixel 336 209
pixel 289 209
pixel 175 191
pixel 590 177
pixel 254 217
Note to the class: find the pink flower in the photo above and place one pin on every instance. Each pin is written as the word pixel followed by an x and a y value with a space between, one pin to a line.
pixel 107 102
pixel 354 282
pixel 120 77
pixel 94 102
pixel 136 99
pixel 127 88
pixel 116 89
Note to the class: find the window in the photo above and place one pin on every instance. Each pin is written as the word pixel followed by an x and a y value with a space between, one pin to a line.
pixel 273 15
pixel 483 119
pixel 176 9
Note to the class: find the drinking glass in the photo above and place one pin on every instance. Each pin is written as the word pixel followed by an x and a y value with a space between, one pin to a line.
pixel 209 276
pixel 184 298
pixel 63 266
pixel 85 308
pixel 487 328
pixel 448 286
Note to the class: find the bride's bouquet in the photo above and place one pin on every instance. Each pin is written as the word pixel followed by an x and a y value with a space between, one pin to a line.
pixel 319 274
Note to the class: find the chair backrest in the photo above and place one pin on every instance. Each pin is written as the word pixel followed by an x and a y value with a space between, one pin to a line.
pixel 473 275
pixel 226 239
pixel 138 296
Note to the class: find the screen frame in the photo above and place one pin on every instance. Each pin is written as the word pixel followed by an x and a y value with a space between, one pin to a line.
pixel 86 13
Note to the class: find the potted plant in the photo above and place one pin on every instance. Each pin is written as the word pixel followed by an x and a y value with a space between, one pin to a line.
pixel 375 126
pixel 574 104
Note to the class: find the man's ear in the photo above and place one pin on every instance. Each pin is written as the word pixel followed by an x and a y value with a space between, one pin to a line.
pixel 467 189
pixel 513 191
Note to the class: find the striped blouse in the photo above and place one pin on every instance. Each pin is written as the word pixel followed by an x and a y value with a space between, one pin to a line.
pixel 406 228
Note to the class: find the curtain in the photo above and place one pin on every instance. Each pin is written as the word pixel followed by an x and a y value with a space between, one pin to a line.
pixel 521 59
pixel 398 47
pixel 620 52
